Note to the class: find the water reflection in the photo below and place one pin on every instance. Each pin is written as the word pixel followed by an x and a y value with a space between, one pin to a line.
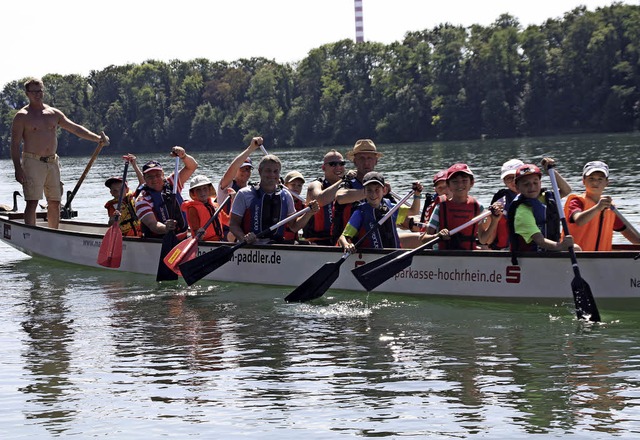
pixel 98 349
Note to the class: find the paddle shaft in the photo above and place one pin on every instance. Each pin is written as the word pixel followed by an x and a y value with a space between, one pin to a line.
pixel 584 295
pixel 121 196
pixel 626 222
pixel 71 195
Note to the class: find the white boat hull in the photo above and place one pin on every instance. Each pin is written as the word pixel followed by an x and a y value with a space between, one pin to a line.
pixel 613 274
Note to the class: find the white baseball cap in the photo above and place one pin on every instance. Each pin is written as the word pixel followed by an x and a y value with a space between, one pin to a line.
pixel 510 167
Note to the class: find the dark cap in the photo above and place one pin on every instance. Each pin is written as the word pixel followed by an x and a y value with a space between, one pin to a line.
pixel 373 177
pixel 151 166
pixel 111 180
pixel 247 163
pixel 527 169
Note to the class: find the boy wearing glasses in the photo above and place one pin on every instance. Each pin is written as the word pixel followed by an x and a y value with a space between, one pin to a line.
pixel 37 169
pixel 324 190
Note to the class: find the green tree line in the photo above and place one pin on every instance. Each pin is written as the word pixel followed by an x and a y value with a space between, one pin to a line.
pixel 578 73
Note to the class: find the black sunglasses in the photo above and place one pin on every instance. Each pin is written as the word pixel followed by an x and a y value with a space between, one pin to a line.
pixel 335 163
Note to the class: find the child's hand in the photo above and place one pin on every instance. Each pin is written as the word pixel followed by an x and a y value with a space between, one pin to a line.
pixel 417 187
pixel 444 234
pixel 349 247
pixel 129 158
pixel 604 203
pixel 496 209
pixel 547 162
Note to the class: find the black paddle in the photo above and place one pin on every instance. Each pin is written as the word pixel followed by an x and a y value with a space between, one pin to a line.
pixel 196 269
pixel 169 240
pixel 583 298
pixel 371 275
pixel 317 284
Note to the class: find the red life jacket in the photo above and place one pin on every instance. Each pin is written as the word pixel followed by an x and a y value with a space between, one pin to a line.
pixel 289 235
pixel 452 215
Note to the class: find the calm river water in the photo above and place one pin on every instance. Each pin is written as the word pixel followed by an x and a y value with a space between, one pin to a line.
pixel 91 353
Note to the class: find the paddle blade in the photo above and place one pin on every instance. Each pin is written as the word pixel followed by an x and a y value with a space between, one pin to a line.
pixel 585 303
pixel 110 253
pixel 196 269
pixel 169 241
pixel 376 263
pixel 373 278
pixel 317 284
pixel 184 251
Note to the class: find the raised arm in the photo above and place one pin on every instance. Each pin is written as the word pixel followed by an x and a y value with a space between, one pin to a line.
pixel 190 164
pixel 235 165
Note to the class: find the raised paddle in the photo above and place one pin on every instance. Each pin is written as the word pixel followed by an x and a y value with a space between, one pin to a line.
pixel 110 253
pixel 317 284
pixel 582 297
pixel 371 275
pixel 66 212
pixel 169 240
pixel 187 249
pixel 201 266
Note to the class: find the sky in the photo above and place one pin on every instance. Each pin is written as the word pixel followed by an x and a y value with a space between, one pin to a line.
pixel 78 36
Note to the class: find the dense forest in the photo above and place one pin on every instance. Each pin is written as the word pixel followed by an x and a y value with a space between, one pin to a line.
pixel 580 73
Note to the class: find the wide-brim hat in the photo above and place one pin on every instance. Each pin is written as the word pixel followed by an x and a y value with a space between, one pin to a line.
pixel 199 180
pixel 363 146
pixel 293 175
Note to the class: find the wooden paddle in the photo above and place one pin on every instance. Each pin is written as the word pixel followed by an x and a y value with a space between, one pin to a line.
pixel 66 212
pixel 169 240
pixel 317 284
pixel 187 249
pixel 110 253
pixel 201 266
pixel 582 297
pixel 371 275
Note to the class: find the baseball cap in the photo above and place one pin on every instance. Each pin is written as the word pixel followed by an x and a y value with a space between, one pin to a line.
pixel 596 165
pixel 247 163
pixel 111 180
pixel 293 175
pixel 373 177
pixel 151 166
pixel 458 168
pixel 440 175
pixel 526 169
pixel 510 167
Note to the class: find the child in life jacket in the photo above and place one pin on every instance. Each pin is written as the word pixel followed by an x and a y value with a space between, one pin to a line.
pixel 590 221
pixel 456 211
pixel 294 181
pixel 533 216
pixel 202 206
pixel 368 213
pixel 128 220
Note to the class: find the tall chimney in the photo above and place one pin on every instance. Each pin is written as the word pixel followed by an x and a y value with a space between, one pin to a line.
pixel 359 25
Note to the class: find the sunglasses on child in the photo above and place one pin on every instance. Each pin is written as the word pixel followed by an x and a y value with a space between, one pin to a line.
pixel 335 163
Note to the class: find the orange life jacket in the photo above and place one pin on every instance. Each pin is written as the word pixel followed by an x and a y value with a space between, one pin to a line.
pixel 214 230
pixel 596 235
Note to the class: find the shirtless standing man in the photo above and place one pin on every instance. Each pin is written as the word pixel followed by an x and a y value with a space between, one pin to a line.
pixel 37 169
